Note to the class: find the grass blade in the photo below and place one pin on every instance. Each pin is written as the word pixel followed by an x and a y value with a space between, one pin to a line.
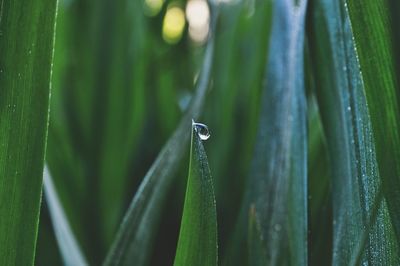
pixel 134 237
pixel 350 139
pixel 369 23
pixel 279 173
pixel 197 244
pixel 26 51
pixel 278 183
pixel 67 243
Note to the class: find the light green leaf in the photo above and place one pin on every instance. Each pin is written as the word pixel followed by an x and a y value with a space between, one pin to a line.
pixel 347 125
pixel 132 244
pixel 26 51
pixel 197 244
pixel 69 247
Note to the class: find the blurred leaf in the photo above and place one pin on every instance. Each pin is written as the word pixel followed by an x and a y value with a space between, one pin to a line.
pixel 347 125
pixel 278 182
pixel 372 29
pixel 233 105
pixel 70 250
pixel 132 244
pixel 256 246
pixel 279 177
pixel 98 114
pixel 319 190
pixel 26 51
pixel 197 244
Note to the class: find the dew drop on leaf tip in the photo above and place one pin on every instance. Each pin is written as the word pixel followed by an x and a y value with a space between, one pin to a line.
pixel 201 130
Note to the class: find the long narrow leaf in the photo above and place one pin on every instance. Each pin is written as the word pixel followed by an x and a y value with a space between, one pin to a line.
pixel 197 244
pixel 280 168
pixel 26 51
pixel 70 250
pixel 135 235
pixel 372 35
pixel 278 182
pixel 350 139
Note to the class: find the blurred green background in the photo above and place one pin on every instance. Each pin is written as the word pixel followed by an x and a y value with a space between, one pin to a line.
pixel 123 75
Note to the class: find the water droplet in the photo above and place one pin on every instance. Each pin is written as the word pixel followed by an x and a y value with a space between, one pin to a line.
pixel 202 130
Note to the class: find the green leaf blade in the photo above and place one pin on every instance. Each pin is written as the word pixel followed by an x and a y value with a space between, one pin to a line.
pixel 197 243
pixel 26 52
pixel 371 26
pixel 278 181
pixel 361 225
pixel 67 243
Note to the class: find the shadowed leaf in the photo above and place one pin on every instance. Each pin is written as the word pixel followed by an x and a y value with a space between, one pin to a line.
pixel 70 250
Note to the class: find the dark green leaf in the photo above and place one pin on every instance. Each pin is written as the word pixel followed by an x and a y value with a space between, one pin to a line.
pixel 197 244
pixel 374 45
pixel 319 190
pixel 350 139
pixel 26 50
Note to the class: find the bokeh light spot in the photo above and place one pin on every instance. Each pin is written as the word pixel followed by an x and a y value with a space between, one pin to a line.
pixel 173 25
pixel 198 16
pixel 153 7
